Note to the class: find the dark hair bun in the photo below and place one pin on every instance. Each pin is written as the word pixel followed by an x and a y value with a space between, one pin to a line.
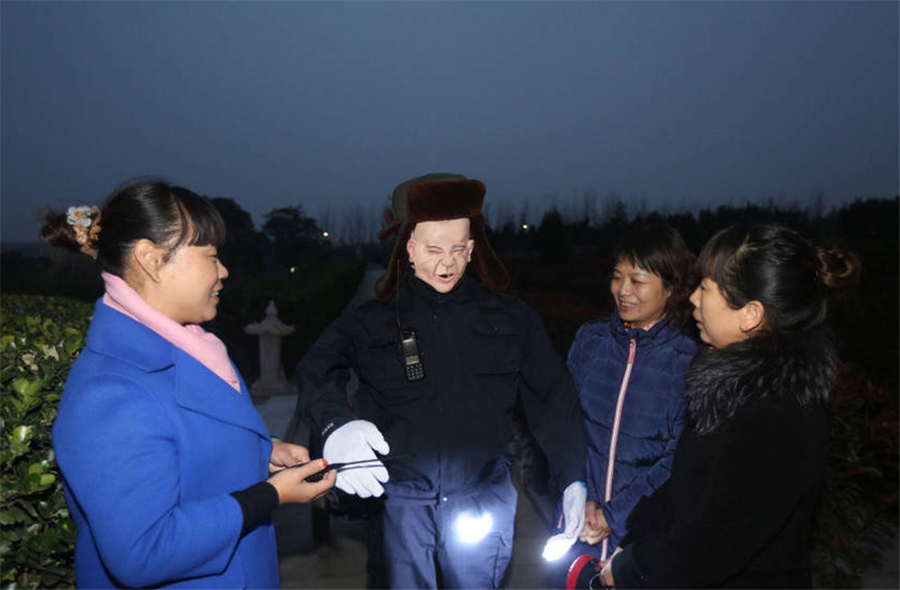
pixel 837 268
pixel 56 231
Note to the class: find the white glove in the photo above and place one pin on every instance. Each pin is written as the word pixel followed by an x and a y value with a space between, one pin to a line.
pixel 574 499
pixel 354 441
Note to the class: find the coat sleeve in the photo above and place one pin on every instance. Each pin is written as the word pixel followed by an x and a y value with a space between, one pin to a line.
pixel 322 377
pixel 117 449
pixel 618 508
pixel 648 514
pixel 746 496
pixel 551 404
pixel 575 362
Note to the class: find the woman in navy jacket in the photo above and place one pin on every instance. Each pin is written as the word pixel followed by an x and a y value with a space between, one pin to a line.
pixel 164 458
pixel 629 372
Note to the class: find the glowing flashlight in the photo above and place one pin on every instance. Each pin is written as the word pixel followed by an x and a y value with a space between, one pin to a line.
pixel 557 546
pixel 471 529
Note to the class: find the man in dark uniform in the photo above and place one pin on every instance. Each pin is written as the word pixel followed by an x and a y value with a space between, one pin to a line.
pixel 441 356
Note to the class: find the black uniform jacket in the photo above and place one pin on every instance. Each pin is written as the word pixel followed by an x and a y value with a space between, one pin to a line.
pixel 737 510
pixel 479 349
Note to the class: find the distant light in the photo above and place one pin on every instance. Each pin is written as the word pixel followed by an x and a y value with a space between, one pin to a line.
pixel 471 529
pixel 325 234
pixel 524 226
pixel 293 269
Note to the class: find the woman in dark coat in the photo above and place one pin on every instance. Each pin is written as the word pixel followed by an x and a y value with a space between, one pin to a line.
pixel 748 469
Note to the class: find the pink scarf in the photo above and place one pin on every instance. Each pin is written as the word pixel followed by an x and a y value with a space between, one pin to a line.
pixel 191 338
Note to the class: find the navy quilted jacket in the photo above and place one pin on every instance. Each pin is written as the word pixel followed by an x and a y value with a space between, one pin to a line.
pixel 652 411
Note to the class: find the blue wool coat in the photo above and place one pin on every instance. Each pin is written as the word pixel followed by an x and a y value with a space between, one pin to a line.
pixel 653 415
pixel 150 444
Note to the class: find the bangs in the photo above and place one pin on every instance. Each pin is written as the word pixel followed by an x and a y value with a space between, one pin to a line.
pixel 719 261
pixel 714 257
pixel 649 261
pixel 657 249
pixel 201 224
pixel 709 262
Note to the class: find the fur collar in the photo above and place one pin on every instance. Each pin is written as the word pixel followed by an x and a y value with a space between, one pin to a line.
pixel 796 369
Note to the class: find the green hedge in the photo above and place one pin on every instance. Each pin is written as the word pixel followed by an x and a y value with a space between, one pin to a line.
pixel 857 515
pixel 40 340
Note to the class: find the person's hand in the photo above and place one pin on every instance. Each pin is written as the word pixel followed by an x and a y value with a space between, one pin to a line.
pixel 286 454
pixel 595 527
pixel 606 573
pixel 355 441
pixel 573 507
pixel 291 487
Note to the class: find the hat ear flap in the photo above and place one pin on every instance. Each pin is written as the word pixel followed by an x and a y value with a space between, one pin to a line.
pixel 393 225
pixel 485 262
pixel 386 286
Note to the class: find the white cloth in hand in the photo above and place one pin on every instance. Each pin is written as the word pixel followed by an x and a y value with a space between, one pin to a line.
pixel 355 441
pixel 574 499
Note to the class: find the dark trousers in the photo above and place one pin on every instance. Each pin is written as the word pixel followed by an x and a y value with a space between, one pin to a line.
pixel 423 547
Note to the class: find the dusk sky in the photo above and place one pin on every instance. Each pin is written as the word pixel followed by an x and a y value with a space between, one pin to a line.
pixel 329 105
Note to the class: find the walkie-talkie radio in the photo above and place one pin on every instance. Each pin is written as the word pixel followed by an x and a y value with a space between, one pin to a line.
pixel 409 348
pixel 412 360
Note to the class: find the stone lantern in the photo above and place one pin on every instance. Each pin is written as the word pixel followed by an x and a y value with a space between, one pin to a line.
pixel 271 330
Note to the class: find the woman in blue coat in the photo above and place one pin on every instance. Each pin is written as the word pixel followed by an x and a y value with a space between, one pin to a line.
pixel 629 371
pixel 166 463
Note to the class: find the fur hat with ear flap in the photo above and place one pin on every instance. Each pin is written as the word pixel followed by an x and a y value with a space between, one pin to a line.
pixel 439 197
